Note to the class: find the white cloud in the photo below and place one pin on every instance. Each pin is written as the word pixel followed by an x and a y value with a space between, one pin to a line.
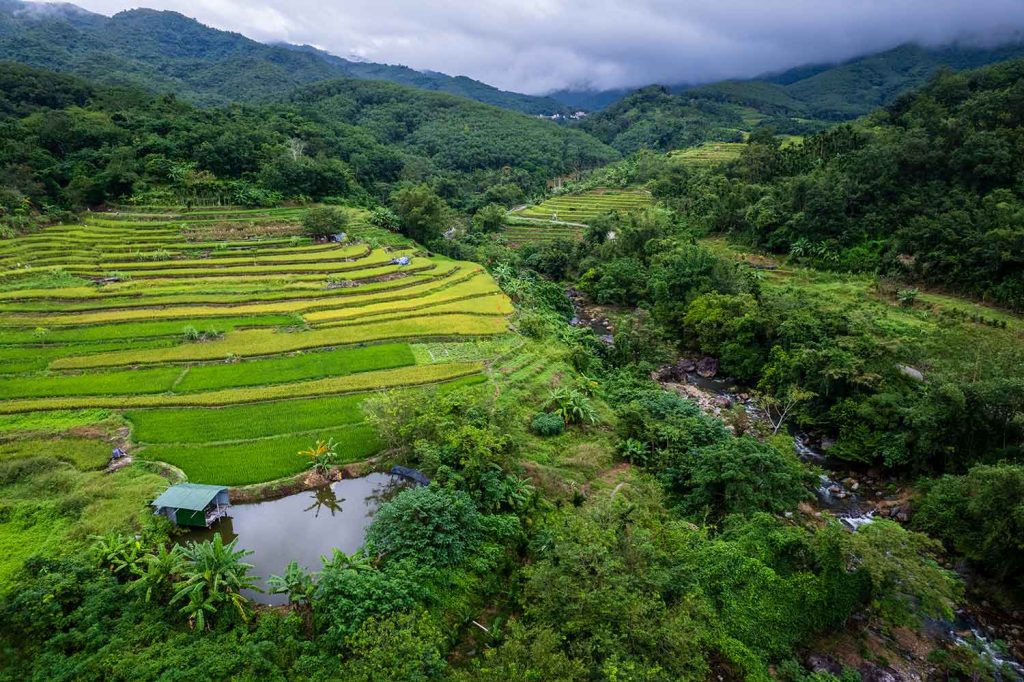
pixel 539 45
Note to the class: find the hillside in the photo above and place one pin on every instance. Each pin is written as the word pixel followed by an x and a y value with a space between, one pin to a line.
pixel 68 143
pixel 926 189
pixel 165 51
pixel 356 380
pixel 251 288
pixel 798 101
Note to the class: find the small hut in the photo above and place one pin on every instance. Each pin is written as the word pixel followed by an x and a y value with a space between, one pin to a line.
pixel 193 504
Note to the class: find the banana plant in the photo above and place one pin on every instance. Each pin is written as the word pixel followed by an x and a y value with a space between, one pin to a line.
pixel 158 571
pixel 297 582
pixel 214 576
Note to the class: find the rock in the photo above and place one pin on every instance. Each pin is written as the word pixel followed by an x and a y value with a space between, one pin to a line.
pixel 902 517
pixel 686 365
pixel 912 372
pixel 819 663
pixel 723 402
pixel 869 672
pixel 744 397
pixel 707 367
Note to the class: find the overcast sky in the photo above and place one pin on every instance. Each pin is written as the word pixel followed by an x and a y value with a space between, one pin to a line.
pixel 535 46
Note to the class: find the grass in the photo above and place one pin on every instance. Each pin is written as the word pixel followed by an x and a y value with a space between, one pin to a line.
pixel 203 425
pixel 313 365
pixel 293 334
pixel 257 461
pixel 19 359
pixel 137 330
pixel 708 154
pixel 58 421
pixel 152 380
pixel 256 342
pixel 52 508
pixel 85 454
pixel 365 381
pixel 563 216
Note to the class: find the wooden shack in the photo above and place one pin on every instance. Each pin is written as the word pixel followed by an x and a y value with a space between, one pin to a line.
pixel 193 504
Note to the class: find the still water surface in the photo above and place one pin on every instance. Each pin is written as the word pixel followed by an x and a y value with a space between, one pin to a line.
pixel 303 526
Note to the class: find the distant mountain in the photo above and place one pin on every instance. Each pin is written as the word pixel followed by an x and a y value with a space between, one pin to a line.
pixel 439 82
pixel 798 101
pixel 166 51
pixel 588 100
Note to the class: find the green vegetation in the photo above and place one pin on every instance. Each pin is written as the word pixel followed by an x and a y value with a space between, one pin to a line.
pixel 596 509
pixel 265 459
pixel 980 516
pixel 924 190
pixel 273 355
pixel 801 101
pixel 208 66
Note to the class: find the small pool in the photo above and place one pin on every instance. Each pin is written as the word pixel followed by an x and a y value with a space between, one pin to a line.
pixel 303 526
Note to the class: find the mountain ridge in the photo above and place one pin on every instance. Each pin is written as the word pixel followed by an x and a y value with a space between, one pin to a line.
pixel 168 51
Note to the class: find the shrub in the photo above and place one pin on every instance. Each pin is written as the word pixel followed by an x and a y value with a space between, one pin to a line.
pixel 979 515
pixel 741 476
pixel 490 218
pixel 548 424
pixel 435 526
pixel 383 216
pixel 324 221
pixel 572 406
pixel 906 297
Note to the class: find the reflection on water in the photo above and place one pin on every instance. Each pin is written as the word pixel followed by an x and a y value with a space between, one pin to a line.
pixel 304 526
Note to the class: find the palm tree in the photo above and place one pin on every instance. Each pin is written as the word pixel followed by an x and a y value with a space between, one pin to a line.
pixel 215 575
pixel 297 582
pixel 158 571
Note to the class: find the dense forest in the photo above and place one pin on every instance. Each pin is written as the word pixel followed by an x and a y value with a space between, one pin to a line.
pixel 168 52
pixel 927 189
pixel 800 101
pixel 852 294
pixel 67 144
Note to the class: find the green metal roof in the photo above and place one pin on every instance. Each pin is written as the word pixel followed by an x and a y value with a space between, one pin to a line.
pixel 194 496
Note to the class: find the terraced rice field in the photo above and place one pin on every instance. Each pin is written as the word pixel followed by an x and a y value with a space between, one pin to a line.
pixel 566 216
pixel 708 154
pixel 225 340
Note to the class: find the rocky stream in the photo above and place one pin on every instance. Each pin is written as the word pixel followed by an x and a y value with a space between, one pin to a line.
pixel 856 497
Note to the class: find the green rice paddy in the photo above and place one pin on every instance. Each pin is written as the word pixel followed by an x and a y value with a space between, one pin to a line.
pixel 225 339
pixel 566 216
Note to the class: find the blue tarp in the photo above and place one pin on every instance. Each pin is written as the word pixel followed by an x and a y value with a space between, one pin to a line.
pixel 411 474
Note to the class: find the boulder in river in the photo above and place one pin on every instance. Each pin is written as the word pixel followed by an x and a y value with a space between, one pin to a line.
pixel 707 367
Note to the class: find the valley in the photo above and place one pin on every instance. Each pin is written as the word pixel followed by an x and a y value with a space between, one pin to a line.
pixel 317 368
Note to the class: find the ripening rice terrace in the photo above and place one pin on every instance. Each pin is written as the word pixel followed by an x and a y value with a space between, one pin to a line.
pixel 226 341
pixel 565 216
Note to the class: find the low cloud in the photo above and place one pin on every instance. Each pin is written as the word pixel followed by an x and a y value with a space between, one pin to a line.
pixel 535 46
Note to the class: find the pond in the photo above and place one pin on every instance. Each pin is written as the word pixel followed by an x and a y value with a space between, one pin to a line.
pixel 303 526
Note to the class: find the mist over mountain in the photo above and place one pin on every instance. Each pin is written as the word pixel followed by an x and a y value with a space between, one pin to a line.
pixel 169 52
